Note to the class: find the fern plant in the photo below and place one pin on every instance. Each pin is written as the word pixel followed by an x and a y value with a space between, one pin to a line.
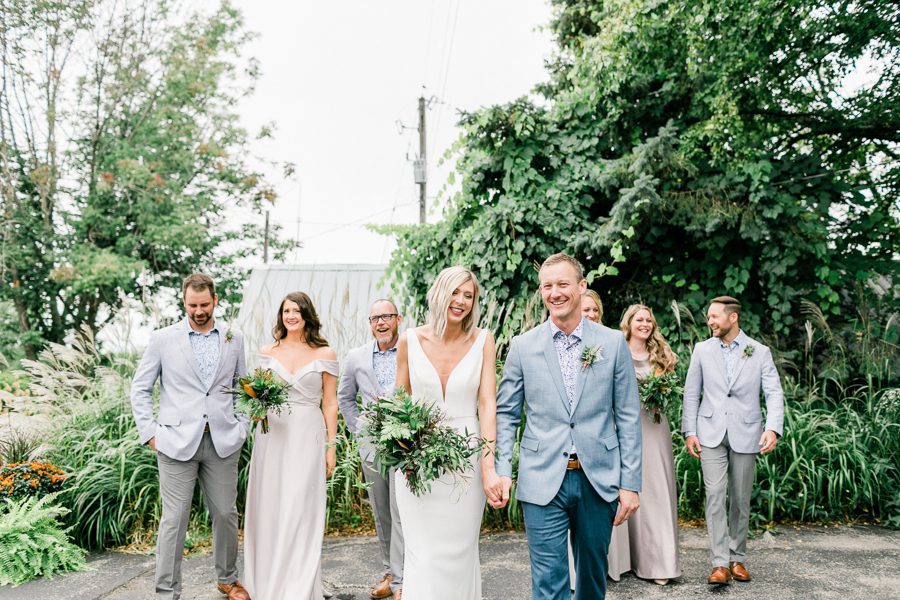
pixel 32 541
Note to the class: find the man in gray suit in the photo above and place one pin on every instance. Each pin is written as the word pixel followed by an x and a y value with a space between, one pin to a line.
pixel 196 435
pixel 370 370
pixel 580 454
pixel 725 430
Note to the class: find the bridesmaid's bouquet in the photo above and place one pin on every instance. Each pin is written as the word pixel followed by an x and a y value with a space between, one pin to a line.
pixel 409 437
pixel 659 391
pixel 258 393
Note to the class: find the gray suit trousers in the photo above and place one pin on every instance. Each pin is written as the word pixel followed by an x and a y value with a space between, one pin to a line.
pixel 387 521
pixel 177 480
pixel 725 470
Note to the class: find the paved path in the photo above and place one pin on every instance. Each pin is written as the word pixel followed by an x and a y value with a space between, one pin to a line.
pixel 810 563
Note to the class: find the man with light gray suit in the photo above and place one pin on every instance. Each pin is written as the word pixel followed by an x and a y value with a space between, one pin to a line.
pixel 370 370
pixel 723 426
pixel 580 454
pixel 197 435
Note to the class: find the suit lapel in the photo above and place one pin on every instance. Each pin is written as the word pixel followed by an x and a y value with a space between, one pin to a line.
pixel 587 340
pixel 742 360
pixel 716 349
pixel 184 343
pixel 552 359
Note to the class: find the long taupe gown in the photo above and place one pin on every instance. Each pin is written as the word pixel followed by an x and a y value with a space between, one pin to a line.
pixel 285 519
pixel 648 542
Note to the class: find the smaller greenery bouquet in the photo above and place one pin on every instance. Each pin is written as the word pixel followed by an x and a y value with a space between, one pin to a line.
pixel 20 480
pixel 659 391
pixel 260 392
pixel 409 437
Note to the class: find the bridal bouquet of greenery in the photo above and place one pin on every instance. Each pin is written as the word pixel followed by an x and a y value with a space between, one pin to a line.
pixel 258 393
pixel 659 391
pixel 409 437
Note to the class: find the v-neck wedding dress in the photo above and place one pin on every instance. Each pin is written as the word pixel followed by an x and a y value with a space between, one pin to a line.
pixel 441 528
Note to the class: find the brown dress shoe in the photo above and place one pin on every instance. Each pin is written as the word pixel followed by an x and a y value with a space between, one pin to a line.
pixel 719 576
pixel 739 571
pixel 382 589
pixel 234 591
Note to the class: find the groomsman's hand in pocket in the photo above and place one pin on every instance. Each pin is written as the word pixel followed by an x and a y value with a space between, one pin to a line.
pixel 629 502
pixel 152 443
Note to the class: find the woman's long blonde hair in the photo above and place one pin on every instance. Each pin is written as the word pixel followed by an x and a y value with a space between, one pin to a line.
pixel 441 293
pixel 661 356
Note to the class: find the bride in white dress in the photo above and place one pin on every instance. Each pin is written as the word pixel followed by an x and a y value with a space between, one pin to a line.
pixel 450 362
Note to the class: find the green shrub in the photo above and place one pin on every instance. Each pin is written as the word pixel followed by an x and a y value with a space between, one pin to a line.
pixel 32 541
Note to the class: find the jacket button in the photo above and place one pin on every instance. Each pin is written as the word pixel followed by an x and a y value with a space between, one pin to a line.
pixel 729 394
pixel 572 425
pixel 207 393
pixel 204 416
pixel 566 454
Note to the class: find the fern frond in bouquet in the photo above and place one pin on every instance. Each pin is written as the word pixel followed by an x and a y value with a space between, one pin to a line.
pixel 659 391
pixel 259 393
pixel 409 437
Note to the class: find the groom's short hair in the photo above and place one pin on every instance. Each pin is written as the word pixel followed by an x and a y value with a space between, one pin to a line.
pixel 732 305
pixel 198 282
pixel 562 257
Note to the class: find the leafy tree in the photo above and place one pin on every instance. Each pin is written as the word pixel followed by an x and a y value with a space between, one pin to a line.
pixel 121 155
pixel 686 149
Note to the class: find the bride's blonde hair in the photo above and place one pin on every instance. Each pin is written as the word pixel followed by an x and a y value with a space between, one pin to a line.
pixel 440 295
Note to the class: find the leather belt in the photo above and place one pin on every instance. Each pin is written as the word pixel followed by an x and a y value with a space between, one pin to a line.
pixel 574 464
pixel 206 428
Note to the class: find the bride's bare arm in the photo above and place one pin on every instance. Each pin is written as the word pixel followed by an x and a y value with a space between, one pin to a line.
pixel 403 363
pixel 329 412
pixel 487 418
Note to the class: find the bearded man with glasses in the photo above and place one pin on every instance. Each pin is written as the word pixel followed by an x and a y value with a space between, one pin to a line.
pixel 370 370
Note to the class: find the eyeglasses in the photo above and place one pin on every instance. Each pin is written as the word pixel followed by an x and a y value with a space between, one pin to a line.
pixel 386 318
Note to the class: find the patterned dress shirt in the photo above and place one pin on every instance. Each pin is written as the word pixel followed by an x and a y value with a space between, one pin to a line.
pixel 731 354
pixel 385 366
pixel 206 352
pixel 568 350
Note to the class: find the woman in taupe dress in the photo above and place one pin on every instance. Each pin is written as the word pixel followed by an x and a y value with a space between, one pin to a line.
pixel 647 543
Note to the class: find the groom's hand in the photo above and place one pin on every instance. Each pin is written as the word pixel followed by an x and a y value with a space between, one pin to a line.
pixel 152 443
pixel 693 445
pixel 767 441
pixel 628 503
pixel 493 487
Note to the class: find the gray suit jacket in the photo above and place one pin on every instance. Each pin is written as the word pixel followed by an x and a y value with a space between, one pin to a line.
pixel 185 404
pixel 734 409
pixel 358 377
pixel 604 421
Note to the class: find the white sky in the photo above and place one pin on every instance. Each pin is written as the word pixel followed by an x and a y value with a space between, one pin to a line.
pixel 336 78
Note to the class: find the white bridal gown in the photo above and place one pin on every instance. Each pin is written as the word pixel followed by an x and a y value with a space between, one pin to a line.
pixel 285 518
pixel 441 528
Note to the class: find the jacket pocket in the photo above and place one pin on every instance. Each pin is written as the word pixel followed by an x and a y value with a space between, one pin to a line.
pixel 168 420
pixel 611 441
pixel 752 417
pixel 530 444
pixel 706 411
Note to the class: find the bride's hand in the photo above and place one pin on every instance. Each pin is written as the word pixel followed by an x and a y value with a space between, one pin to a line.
pixel 330 460
pixel 493 488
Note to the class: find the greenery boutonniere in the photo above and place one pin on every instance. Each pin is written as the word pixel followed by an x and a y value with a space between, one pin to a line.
pixel 590 355
pixel 229 335
pixel 748 350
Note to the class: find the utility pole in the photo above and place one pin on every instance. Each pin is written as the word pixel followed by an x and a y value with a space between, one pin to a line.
pixel 420 167
pixel 266 241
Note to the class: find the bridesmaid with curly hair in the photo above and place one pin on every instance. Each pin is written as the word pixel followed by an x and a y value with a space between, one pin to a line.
pixel 651 535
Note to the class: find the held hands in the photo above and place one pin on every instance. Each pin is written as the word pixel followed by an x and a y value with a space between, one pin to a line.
pixel 496 488
pixel 767 441
pixel 628 503
pixel 493 488
pixel 692 442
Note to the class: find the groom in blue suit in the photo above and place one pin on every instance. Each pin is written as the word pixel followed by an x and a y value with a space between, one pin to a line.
pixel 580 454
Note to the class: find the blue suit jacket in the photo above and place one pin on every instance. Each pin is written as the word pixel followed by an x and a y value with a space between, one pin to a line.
pixel 603 422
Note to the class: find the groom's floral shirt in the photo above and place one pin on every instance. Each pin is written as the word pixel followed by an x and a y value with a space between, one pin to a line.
pixel 568 350
pixel 731 353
